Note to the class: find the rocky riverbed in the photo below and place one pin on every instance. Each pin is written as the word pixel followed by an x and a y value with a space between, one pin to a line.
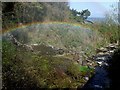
pixel 101 79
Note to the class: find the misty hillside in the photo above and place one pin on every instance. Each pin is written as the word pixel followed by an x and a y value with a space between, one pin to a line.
pixel 59 35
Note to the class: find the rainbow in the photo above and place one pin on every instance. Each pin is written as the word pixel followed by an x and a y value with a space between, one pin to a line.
pixel 44 23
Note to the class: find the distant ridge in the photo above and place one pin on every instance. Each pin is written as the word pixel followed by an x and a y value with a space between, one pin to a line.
pixel 97 19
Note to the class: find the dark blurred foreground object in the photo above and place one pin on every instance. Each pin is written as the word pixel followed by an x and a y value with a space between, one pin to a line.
pixel 114 70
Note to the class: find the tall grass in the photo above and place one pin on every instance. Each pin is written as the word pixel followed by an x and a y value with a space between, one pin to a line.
pixel 22 69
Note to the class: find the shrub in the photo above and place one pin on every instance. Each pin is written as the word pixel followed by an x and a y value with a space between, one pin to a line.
pixel 21 36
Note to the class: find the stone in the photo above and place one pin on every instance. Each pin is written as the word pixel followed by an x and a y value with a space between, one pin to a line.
pixel 51 46
pixel 106 64
pixel 100 53
pixel 101 50
pixel 100 63
pixel 87 78
pixel 111 51
pixel 34 44
pixel 100 58
pixel 97 86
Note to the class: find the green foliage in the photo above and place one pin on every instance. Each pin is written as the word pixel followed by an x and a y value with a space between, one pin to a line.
pixel 43 68
pixel 110 32
pixel 64 36
pixel 85 13
pixel 55 11
pixel 15 13
pixel 21 36
pixel 80 16
pixel 109 29
pixel 29 12
pixel 84 68
pixel 8 50
pixel 28 70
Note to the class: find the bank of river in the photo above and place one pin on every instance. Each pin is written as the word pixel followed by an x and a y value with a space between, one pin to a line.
pixel 101 79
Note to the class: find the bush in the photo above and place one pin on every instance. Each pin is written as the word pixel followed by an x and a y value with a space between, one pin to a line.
pixel 27 70
pixel 21 36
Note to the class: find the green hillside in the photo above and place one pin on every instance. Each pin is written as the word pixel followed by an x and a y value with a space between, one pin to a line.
pixel 49 45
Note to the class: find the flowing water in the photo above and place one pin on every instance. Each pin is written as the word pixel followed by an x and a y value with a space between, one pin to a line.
pixel 100 80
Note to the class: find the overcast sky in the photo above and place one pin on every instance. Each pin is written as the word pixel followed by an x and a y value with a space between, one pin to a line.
pixel 96 7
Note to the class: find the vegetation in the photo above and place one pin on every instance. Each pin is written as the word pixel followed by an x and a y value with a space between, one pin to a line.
pixel 55 60
pixel 26 70
pixel 80 16
pixel 22 12
pixel 62 35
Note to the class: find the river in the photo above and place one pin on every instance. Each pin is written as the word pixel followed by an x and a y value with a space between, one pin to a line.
pixel 101 79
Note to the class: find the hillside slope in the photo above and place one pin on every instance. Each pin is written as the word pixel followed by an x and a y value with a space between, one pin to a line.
pixel 62 35
pixel 60 51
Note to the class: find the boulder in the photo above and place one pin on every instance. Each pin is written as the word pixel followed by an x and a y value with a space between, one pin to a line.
pixel 86 78
pixel 101 50
pixel 99 63
pixel 100 58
